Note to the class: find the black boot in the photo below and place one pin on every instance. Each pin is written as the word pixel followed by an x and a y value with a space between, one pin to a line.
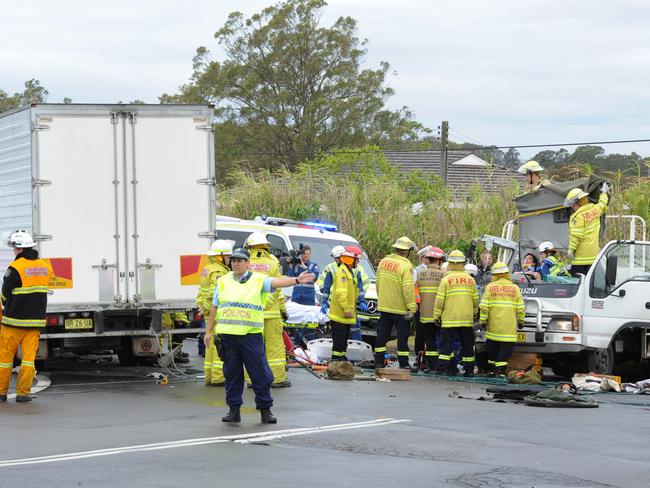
pixel 23 398
pixel 233 416
pixel 267 416
pixel 3 398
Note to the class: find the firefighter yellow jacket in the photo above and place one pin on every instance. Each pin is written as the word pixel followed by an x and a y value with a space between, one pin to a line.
pixel 502 309
pixel 264 262
pixel 456 300
pixel 344 295
pixel 208 282
pixel 427 283
pixel 584 230
pixel 395 286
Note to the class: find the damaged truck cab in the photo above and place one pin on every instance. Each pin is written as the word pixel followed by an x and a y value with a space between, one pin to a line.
pixel 592 322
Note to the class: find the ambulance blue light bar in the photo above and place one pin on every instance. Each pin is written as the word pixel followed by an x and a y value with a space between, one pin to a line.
pixel 320 226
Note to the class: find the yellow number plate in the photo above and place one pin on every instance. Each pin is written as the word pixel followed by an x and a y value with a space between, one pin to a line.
pixel 78 323
pixel 521 337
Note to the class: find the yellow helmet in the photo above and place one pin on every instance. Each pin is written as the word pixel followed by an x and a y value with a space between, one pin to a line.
pixel 456 256
pixel 500 268
pixel 530 167
pixel 404 243
pixel 574 196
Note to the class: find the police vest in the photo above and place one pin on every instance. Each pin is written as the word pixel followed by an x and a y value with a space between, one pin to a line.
pixel 27 305
pixel 241 305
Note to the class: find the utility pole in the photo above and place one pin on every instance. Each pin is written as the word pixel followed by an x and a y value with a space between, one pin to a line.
pixel 444 138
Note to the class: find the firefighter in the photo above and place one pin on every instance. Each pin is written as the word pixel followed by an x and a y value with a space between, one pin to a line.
pixel 238 307
pixel 455 308
pixel 361 279
pixel 551 265
pixel 502 310
pixel 175 321
pixel 419 342
pixel 24 297
pixel 218 265
pixel 427 282
pixel 395 301
pixel 344 295
pixel 584 228
pixel 262 261
pixel 534 181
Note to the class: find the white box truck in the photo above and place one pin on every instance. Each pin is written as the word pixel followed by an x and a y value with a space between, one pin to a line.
pixel 121 199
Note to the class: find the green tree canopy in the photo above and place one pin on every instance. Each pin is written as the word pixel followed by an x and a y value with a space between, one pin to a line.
pixel 33 93
pixel 290 88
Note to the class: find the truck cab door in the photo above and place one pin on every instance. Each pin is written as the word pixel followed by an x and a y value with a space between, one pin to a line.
pixel 619 292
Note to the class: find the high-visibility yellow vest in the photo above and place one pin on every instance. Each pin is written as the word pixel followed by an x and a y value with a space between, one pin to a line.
pixel 395 286
pixel 502 308
pixel 241 305
pixel 456 300
pixel 584 231
pixel 344 295
pixel 428 282
pixel 265 263
pixel 208 282
pixel 557 267
pixel 27 305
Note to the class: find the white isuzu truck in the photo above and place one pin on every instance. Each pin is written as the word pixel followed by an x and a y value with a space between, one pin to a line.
pixel 121 200
pixel 593 322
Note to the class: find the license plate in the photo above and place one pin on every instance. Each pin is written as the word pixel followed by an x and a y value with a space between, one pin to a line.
pixel 78 323
pixel 521 337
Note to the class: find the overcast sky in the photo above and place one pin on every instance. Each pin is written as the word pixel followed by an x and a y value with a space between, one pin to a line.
pixel 501 71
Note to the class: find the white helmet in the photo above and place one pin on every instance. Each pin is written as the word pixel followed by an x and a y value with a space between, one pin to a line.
pixel 257 238
pixel 471 269
pixel 546 246
pixel 337 251
pixel 21 240
pixel 531 166
pixel 221 247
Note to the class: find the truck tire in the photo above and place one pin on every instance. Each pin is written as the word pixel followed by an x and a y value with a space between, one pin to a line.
pixel 600 361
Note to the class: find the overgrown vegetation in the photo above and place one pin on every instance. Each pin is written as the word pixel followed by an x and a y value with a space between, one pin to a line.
pixel 370 200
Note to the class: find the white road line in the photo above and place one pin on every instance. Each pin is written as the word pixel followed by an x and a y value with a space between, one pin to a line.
pixel 239 438
pixel 42 382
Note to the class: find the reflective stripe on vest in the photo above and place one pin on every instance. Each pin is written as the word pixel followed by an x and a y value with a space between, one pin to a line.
pixel 241 305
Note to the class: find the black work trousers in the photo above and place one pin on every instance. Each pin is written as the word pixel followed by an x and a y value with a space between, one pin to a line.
pixel 447 336
pixel 582 269
pixel 340 336
pixel 385 326
pixel 431 334
pixel 498 354
pixel 420 341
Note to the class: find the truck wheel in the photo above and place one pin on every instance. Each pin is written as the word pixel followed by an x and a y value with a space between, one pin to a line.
pixel 600 361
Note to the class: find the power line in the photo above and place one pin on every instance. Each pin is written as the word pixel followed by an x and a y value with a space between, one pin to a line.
pixel 465 148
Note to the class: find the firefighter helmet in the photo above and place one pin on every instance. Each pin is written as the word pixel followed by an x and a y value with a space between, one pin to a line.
pixel 404 243
pixel 21 239
pixel 257 238
pixel 530 167
pixel 574 196
pixel 456 256
pixel 221 247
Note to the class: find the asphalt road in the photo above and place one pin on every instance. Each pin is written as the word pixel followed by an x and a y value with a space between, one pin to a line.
pixel 107 426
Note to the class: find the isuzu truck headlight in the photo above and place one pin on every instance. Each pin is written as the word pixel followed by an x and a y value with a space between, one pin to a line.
pixel 565 324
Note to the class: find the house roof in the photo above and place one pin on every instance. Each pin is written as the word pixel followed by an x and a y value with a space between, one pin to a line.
pixel 464 168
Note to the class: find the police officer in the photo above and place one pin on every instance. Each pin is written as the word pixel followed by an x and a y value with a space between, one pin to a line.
pixel 395 301
pixel 24 297
pixel 218 265
pixel 238 309
pixel 455 308
pixel 502 310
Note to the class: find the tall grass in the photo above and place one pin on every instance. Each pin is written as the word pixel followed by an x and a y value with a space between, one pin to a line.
pixel 371 201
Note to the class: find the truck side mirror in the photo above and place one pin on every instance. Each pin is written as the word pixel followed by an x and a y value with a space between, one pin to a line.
pixel 610 271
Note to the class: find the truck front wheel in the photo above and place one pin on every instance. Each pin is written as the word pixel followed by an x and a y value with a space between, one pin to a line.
pixel 600 361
